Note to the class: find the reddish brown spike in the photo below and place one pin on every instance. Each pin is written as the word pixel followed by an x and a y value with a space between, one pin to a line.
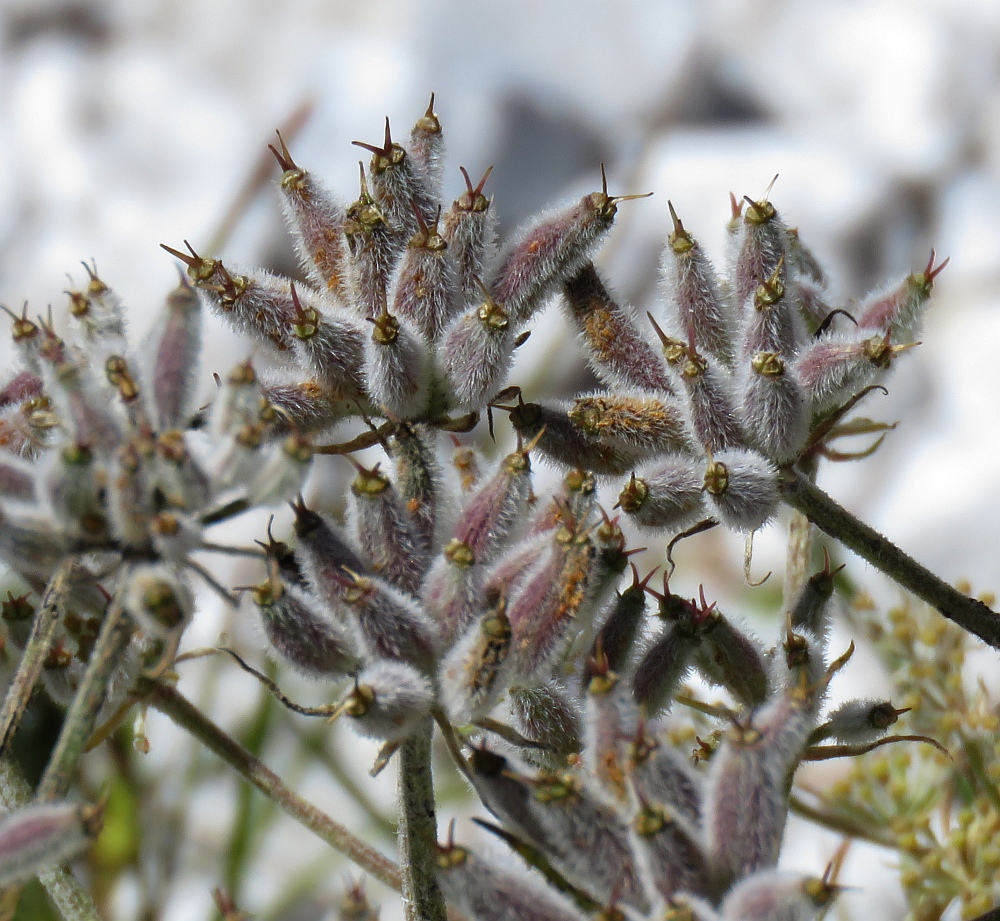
pixel 482 182
pixel 736 206
pixel 618 198
pixel 189 260
pixel 930 272
pixel 430 108
pixel 283 157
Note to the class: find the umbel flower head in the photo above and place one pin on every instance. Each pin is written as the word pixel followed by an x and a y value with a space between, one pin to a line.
pixel 453 590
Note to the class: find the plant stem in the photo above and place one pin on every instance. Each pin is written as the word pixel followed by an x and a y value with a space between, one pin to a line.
pixel 173 704
pixel 81 718
pixel 71 900
pixel 840 824
pixel 866 542
pixel 798 555
pixel 422 898
pixel 43 629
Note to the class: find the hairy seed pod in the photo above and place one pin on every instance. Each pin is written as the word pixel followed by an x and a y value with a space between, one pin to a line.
pixel 711 405
pixel 301 633
pixel 559 439
pixel 473 674
pixel 548 715
pixel 24 385
pixel 648 424
pixel 332 344
pixel 324 552
pixel 73 489
pixel 396 367
pixel 385 531
pixel 17 614
pixel 28 339
pixel 691 292
pixel 418 480
pixel 426 150
pixel 616 640
pixel 732 658
pixel 858 722
pixel 664 665
pixel 775 411
pixel 175 345
pixel 551 250
pixel 307 407
pixel 669 854
pixel 161 603
pixel 811 612
pixel 470 230
pixel 424 287
pixel 741 488
pixel 899 310
pixel 761 244
pixel 316 219
pixel 507 794
pixel 238 401
pixel 801 260
pixel 518 564
pixel 33 547
pixel 617 352
pixel 668 497
pixel 476 353
pixel 283 474
pixel 42 835
pixel 772 321
pixel 181 482
pixel 660 774
pixel 451 590
pixel 778 895
pixel 611 720
pixel 389 700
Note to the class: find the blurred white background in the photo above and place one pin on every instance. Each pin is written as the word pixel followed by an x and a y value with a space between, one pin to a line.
pixel 128 123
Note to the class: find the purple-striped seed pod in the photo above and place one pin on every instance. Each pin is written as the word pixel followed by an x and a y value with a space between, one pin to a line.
pixel 469 228
pixel 384 530
pixel 389 700
pixel 43 835
pixel 778 894
pixel 418 481
pixel 489 890
pixel 393 624
pixel 301 633
pixel 473 674
pixel 771 319
pixel 476 353
pixel 668 853
pixel 616 351
pixel 760 245
pixel 611 720
pixel 671 496
pixel 732 658
pixel 175 346
pixel 899 311
pixel 549 716
pixel 316 219
pixel 308 407
pixel 158 599
pixel 710 402
pixel 518 564
pixel 424 286
pixel 658 773
pixel 331 343
pixel 560 440
pixel 426 150
pixel 396 367
pixel 858 722
pixel 691 292
pixel 372 247
pixel 741 487
pixel 646 423
pixel 552 250
pixel 399 186
pixel 775 416
pixel 834 368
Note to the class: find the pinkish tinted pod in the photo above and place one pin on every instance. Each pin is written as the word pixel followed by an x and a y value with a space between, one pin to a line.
pixel 760 245
pixel 24 385
pixel 476 353
pixel 669 855
pixel 426 150
pixel 418 481
pixel 451 590
pixel 385 531
pixel 694 304
pixel 175 347
pixel 399 187
pixel 324 553
pixel 741 488
pixel 664 665
pixel 473 674
pixel 312 642
pixel 670 496
pixel 899 311
pixel 43 835
pixel 801 259
pixel 548 715
pixel 712 409
pixel 307 407
pixel 552 250
pixel 518 564
pixel 618 353
pixel 778 895
pixel 776 415
pixel 316 220
pixel 771 319
pixel 858 722
pixel 658 773
pixel 424 287
pixel 645 423
pixel 732 658
pixel 389 700
pixel 397 370
pixel 559 439
pixel 489 890
pixel 611 720
pixel 469 228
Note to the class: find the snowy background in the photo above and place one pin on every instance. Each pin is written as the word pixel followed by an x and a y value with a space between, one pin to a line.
pixel 129 123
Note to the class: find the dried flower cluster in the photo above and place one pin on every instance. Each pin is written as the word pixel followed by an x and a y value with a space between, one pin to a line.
pixel 463 597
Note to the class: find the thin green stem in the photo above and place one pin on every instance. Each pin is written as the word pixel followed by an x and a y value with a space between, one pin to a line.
pixel 866 542
pixel 840 824
pixel 422 898
pixel 43 630
pixel 173 704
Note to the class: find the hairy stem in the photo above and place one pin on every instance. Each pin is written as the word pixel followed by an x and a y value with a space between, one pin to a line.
pixel 43 629
pixel 866 542
pixel 798 556
pixel 422 898
pixel 173 704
